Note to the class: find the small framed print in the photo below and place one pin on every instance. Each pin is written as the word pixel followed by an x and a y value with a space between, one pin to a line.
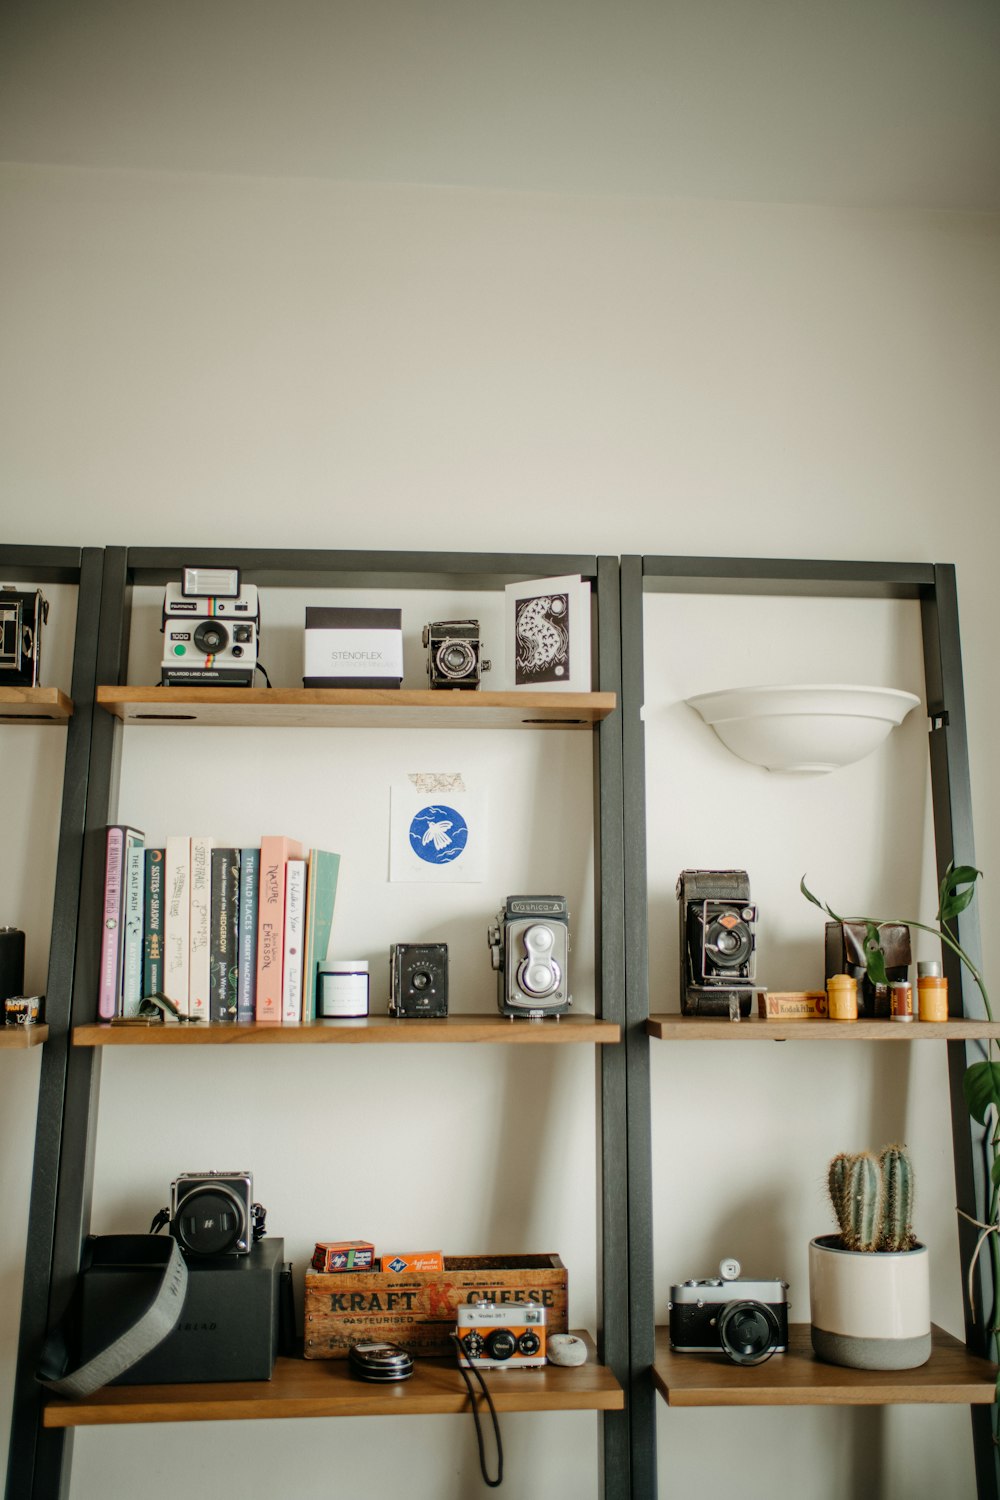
pixel 547 629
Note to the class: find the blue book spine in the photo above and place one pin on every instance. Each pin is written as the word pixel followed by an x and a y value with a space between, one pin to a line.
pixel 246 988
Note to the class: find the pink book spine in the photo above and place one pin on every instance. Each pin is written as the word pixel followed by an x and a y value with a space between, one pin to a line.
pixel 107 999
pixel 275 852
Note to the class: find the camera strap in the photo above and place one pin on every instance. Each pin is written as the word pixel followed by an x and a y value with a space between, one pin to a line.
pixel 470 1372
pixel 150 1329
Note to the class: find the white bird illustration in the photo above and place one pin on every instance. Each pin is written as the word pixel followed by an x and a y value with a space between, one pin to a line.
pixel 438 833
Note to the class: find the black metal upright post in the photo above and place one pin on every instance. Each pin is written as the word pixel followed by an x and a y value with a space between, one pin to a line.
pixel 27 1436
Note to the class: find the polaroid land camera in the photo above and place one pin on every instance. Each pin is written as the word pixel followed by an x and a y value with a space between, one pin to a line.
pixel 211 630
pixel 717 943
pixel 529 947
pixel 22 616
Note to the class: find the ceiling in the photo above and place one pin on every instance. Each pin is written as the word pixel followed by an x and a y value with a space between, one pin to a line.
pixel 873 103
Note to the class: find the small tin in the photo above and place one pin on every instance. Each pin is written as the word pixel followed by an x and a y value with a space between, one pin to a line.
pixel 24 1010
pixel 932 993
pixel 342 988
pixel 901 1000
pixel 374 1360
pixel 842 997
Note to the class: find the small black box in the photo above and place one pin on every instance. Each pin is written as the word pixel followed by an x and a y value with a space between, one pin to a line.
pixel 228 1327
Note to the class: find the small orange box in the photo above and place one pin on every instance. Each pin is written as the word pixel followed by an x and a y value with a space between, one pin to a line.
pixel 792 1005
pixel 343 1255
pixel 416 1260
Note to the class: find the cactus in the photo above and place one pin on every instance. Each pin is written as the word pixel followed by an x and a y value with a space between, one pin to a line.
pixel 897 1180
pixel 872 1198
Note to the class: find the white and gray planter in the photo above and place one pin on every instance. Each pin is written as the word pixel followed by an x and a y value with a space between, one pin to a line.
pixel 870 1310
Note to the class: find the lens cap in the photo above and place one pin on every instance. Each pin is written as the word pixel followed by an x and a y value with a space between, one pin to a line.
pixel 748 1332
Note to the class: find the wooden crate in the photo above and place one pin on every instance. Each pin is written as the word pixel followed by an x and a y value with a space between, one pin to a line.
pixel 417 1309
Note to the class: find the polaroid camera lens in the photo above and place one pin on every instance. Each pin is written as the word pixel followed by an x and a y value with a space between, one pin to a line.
pixel 210 1221
pixel 211 637
pixel 748 1332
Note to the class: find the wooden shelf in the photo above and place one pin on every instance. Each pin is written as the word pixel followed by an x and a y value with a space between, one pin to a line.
pixel 19 1038
pixel 41 705
pixel 355 708
pixel 798 1378
pixel 326 1388
pixel 487 1028
pixel 676 1028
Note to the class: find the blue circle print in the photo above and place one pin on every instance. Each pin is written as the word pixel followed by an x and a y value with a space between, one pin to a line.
pixel 438 834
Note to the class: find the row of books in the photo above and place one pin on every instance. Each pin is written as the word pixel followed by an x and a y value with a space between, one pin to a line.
pixel 226 934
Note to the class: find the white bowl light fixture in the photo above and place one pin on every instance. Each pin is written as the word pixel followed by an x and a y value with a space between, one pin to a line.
pixel 803 730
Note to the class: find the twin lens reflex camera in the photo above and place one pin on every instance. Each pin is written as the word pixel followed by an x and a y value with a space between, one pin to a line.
pixel 529 947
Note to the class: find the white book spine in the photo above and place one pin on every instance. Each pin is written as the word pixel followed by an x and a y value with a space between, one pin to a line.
pixel 295 908
pixel 176 919
pixel 200 967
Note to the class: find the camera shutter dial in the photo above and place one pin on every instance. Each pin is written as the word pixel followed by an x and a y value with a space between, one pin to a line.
pixel 539 973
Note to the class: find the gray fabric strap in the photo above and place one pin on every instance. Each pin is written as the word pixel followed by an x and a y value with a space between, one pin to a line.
pixel 151 1329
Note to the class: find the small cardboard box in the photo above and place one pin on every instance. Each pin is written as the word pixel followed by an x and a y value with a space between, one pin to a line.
pixel 353 648
pixel 343 1255
pixel 418 1308
pixel 792 1005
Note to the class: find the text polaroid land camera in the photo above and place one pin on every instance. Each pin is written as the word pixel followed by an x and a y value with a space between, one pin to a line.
pixel 498 1338
pixel 529 947
pixel 454 654
pixel 22 616
pixel 717 943
pixel 418 979
pixel 211 630
pixel 213 1213
pixel 747 1320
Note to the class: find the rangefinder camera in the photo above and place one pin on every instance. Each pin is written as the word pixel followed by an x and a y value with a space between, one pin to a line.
pixel 22 616
pixel 454 654
pixel 211 630
pixel 717 942
pixel 213 1213
pixel 491 1338
pixel 745 1319
pixel 418 979
pixel 529 948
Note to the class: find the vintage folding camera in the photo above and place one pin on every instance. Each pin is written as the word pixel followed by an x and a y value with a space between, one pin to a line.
pixel 418 979
pixel 22 616
pixel 454 654
pixel 211 630
pixel 717 943
pixel 529 947
pixel 746 1319
pixel 501 1338
pixel 213 1213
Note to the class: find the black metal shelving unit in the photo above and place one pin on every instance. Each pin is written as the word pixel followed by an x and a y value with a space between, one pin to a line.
pixel 82 568
pixel 40 1460
pixel 934 586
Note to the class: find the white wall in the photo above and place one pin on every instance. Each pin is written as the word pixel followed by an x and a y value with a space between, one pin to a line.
pixel 296 363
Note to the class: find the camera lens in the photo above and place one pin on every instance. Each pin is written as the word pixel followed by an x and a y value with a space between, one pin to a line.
pixel 421 979
pixel 748 1332
pixel 211 637
pixel 728 943
pixel 210 1221
pixel 455 659
pixel 500 1344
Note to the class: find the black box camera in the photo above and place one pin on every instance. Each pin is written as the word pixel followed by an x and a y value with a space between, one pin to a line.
pixel 717 943
pixel 418 979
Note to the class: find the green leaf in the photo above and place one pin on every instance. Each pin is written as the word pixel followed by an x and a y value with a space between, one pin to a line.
pixel 816 901
pixel 981 1086
pixel 874 957
pixel 953 899
pixel 995 1172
